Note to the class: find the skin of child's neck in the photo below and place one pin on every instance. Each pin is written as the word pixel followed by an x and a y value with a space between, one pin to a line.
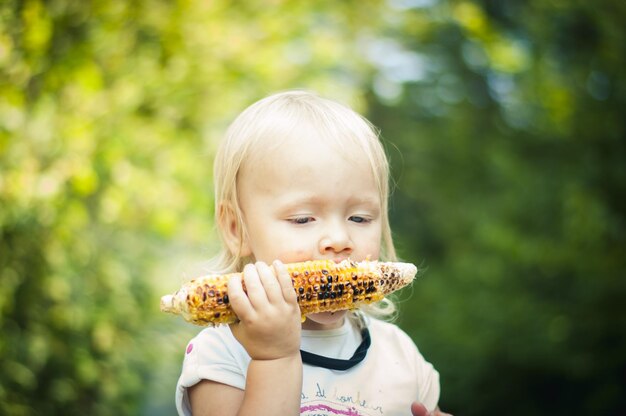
pixel 308 200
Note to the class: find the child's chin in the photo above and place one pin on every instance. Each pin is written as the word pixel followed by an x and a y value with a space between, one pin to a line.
pixel 324 320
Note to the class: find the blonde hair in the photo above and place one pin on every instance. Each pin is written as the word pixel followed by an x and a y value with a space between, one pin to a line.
pixel 263 126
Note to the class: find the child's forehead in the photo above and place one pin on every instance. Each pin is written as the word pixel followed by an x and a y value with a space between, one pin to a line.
pixel 304 161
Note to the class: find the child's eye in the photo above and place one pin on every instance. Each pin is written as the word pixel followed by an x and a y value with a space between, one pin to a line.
pixel 301 220
pixel 358 219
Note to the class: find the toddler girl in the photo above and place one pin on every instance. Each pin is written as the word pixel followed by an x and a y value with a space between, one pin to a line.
pixel 298 178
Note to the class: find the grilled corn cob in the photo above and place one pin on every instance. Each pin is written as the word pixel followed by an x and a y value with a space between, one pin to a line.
pixel 321 286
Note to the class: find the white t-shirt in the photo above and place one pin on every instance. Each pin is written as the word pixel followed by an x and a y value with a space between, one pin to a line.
pixel 392 375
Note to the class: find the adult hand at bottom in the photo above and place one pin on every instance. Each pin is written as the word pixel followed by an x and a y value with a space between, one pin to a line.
pixel 418 409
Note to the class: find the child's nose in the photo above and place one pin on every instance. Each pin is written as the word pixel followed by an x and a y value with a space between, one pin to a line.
pixel 336 240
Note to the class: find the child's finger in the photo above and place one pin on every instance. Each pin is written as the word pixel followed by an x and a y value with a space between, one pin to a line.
pixel 254 287
pixel 269 282
pixel 284 280
pixel 238 299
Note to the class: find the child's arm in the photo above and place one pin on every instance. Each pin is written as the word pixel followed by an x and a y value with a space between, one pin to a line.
pixel 269 330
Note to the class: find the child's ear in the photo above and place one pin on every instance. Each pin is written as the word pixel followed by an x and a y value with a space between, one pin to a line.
pixel 231 230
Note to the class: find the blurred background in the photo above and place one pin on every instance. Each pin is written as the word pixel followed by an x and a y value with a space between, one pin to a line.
pixel 504 121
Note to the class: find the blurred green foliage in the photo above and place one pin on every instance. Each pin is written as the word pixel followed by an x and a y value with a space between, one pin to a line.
pixel 510 162
pixel 504 123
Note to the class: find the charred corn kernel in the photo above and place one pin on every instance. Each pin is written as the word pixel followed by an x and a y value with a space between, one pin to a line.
pixel 321 286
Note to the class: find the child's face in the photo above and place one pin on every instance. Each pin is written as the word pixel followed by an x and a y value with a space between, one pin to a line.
pixel 308 201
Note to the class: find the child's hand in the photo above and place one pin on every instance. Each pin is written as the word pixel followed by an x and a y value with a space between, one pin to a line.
pixel 269 316
pixel 418 409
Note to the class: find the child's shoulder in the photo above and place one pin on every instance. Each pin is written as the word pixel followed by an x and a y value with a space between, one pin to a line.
pixel 219 334
pixel 388 332
pixel 214 342
pixel 381 325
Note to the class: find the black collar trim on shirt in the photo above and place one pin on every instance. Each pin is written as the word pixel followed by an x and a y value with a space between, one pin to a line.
pixel 335 363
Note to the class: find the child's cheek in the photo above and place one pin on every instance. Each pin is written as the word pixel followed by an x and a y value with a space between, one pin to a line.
pixel 297 256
